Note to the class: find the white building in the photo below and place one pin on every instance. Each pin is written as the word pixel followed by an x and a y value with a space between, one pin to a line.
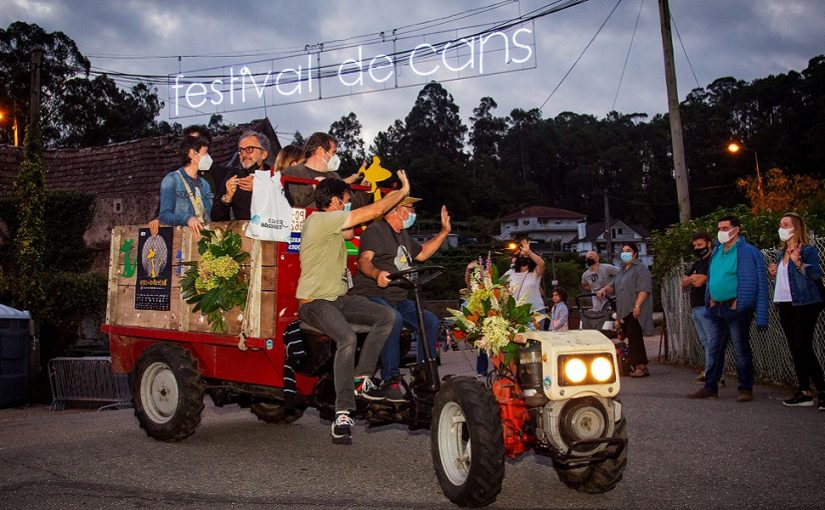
pixel 544 224
pixel 592 236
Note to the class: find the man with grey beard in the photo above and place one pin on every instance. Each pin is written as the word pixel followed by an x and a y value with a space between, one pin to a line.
pixel 235 193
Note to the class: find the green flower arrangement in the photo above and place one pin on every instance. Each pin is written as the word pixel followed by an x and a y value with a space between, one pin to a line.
pixel 491 318
pixel 215 284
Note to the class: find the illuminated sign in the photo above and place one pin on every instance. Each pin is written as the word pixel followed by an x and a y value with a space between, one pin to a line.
pixel 321 73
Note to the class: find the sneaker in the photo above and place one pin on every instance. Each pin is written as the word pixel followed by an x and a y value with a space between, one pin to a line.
pixel 744 396
pixel 365 388
pixel 703 393
pixel 820 402
pixel 700 379
pixel 392 392
pixel 799 400
pixel 342 429
pixel 722 381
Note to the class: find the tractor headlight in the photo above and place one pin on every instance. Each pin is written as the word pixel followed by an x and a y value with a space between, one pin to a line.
pixel 578 369
pixel 575 370
pixel 602 369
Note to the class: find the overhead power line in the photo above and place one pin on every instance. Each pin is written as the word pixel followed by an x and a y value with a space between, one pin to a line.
pixel 627 57
pixel 682 44
pixel 582 54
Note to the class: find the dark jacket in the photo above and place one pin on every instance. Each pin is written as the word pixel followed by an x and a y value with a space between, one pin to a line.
pixel 241 201
pixel 804 290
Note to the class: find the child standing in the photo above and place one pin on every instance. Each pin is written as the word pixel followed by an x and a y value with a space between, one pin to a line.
pixel 558 314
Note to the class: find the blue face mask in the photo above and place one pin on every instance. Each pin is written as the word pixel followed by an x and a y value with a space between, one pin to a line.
pixel 348 206
pixel 409 221
pixel 626 256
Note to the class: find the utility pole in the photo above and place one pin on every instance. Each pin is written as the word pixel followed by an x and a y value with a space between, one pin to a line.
pixel 682 190
pixel 608 230
pixel 34 102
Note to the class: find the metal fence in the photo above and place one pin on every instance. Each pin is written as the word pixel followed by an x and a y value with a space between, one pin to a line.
pixel 87 382
pixel 771 356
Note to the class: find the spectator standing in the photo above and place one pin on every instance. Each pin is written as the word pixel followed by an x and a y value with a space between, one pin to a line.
pixel 559 313
pixel 695 280
pixel 799 301
pixel 737 289
pixel 524 278
pixel 632 288
pixel 596 277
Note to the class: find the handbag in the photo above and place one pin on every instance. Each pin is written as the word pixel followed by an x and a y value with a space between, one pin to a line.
pixel 270 212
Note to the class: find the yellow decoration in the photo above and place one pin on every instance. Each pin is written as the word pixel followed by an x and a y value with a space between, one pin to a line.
pixel 374 174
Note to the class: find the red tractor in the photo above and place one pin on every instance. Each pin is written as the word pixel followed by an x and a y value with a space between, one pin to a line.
pixel 558 399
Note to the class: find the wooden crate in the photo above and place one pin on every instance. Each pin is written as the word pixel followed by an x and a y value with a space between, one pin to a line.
pixel 260 269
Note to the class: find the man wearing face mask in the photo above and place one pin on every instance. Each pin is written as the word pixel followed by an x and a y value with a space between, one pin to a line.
pixel 321 163
pixel 324 304
pixel 695 280
pixel 596 277
pixel 737 289
pixel 234 195
pixel 386 247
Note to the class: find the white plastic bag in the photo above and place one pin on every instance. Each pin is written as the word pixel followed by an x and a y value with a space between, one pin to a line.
pixel 271 214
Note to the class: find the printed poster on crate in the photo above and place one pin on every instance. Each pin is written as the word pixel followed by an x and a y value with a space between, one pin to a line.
pixel 153 287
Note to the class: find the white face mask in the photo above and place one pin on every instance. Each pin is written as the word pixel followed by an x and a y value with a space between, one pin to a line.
pixel 205 163
pixel 785 234
pixel 333 163
pixel 723 237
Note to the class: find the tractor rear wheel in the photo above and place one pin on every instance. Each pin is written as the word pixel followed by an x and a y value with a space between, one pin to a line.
pixel 167 392
pixel 467 442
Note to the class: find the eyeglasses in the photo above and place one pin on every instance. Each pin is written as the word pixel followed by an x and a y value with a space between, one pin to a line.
pixel 248 150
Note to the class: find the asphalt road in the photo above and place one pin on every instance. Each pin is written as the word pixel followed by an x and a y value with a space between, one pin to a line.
pixel 683 454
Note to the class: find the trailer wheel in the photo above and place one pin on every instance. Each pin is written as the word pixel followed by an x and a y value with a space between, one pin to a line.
pixel 467 443
pixel 600 477
pixel 274 413
pixel 167 392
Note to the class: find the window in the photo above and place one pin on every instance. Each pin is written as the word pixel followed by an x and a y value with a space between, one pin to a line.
pixel 118 205
pixel 543 221
pixel 525 222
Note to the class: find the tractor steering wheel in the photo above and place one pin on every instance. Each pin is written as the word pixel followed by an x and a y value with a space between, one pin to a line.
pixel 425 275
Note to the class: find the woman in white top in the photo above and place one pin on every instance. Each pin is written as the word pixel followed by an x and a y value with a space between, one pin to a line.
pixel 525 277
pixel 799 300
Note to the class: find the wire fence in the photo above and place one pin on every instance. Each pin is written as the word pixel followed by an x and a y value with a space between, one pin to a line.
pixel 771 356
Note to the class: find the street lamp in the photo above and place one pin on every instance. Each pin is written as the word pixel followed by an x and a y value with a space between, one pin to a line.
pixel 735 147
pixel 13 126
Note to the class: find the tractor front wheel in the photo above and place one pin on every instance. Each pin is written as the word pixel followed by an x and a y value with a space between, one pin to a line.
pixel 601 476
pixel 467 442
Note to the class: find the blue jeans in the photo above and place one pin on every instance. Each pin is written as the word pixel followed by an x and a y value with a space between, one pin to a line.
pixel 703 329
pixel 405 315
pixel 726 323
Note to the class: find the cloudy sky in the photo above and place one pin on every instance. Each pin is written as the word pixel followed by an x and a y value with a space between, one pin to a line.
pixel 745 39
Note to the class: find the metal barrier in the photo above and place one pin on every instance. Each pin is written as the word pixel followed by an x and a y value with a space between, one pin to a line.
pixel 88 382
pixel 771 355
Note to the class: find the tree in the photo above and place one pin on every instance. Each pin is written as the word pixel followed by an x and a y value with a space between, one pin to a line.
pixel 216 124
pixel 62 60
pixel 777 190
pixel 298 139
pixel 388 145
pixel 30 192
pixel 97 112
pixel 74 109
pixel 347 132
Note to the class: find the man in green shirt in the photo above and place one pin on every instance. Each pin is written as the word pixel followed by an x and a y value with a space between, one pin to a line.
pixel 322 294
